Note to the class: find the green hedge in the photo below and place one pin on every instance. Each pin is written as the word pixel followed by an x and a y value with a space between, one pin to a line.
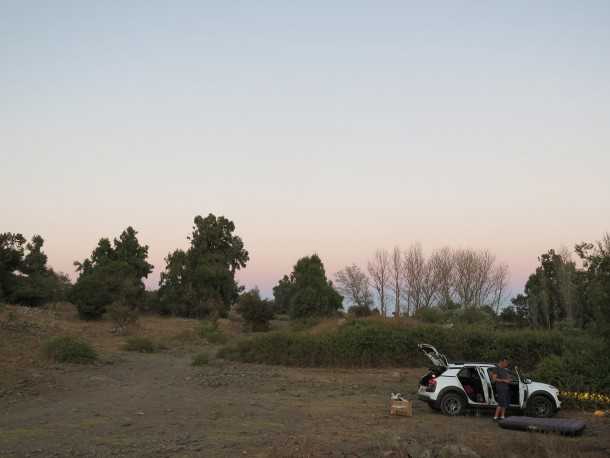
pixel 377 343
pixel 584 366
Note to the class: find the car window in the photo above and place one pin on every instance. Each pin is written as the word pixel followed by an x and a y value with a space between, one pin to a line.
pixel 467 372
pixel 490 370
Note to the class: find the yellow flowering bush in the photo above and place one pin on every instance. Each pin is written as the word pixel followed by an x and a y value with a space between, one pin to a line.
pixel 586 399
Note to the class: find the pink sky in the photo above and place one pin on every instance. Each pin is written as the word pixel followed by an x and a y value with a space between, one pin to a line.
pixel 329 128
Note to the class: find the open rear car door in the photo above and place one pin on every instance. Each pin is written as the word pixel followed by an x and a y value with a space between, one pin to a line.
pixel 438 359
pixel 487 387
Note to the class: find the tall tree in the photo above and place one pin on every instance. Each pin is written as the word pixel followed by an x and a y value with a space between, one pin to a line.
pixel 544 295
pixel 282 294
pixel 11 257
pixel 201 280
pixel 112 273
pixel 24 276
pixel 307 290
pixel 379 271
pixel 593 284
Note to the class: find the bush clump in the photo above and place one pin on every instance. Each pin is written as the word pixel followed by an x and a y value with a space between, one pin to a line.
pixel 584 366
pixel 67 349
pixel 256 312
pixel 122 316
pixel 303 324
pixel 200 359
pixel 377 343
pixel 141 344
pixel 209 330
pixel 360 311
pixel 432 315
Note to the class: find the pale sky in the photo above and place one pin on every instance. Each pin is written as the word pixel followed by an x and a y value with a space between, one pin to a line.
pixel 329 127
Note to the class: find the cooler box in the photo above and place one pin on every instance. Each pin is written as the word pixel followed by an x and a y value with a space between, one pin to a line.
pixel 401 408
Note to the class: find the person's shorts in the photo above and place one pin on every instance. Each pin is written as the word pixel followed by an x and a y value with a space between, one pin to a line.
pixel 503 395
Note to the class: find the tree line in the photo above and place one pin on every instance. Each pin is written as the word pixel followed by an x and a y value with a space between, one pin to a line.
pixel 200 281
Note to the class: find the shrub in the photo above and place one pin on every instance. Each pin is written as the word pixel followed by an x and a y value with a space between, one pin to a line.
pixel 302 324
pixel 100 287
pixel 67 349
pixel 122 316
pixel 200 359
pixel 583 366
pixel 141 344
pixel 475 315
pixel 209 330
pixel 256 312
pixel 360 311
pixel 432 315
pixel 372 343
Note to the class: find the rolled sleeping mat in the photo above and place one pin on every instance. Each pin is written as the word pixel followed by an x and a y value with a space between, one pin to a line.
pixel 565 426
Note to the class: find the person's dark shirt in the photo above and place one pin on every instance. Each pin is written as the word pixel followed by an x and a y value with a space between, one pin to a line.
pixel 503 374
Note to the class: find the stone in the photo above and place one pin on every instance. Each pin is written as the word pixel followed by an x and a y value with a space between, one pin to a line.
pixel 416 450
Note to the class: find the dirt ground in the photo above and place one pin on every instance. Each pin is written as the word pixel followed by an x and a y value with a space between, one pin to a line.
pixel 158 405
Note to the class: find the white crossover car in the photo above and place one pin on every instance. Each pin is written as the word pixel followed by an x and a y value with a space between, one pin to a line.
pixel 454 387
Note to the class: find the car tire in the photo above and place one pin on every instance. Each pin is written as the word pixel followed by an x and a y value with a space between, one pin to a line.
pixel 540 406
pixel 452 404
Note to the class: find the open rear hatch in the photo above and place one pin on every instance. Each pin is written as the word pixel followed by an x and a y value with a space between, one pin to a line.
pixel 438 359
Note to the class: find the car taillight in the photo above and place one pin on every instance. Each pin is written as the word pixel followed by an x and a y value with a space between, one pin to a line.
pixel 431 384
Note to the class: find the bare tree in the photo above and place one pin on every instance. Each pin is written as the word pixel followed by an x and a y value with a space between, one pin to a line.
pixel 430 285
pixel 396 278
pixel 379 271
pixel 354 285
pixel 466 272
pixel 478 280
pixel 500 284
pixel 484 285
pixel 443 269
pixel 414 266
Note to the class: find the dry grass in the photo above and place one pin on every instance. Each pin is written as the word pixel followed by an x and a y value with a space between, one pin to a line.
pixel 535 444
pixel 25 329
pixel 300 412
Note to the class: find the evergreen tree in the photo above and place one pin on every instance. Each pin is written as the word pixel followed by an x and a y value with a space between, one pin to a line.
pixel 201 280
pixel 307 291
pixel 114 272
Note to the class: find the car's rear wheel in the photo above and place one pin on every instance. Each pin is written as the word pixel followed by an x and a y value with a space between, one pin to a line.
pixel 453 404
pixel 540 406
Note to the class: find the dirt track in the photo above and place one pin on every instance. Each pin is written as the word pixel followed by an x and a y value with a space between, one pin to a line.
pixel 158 405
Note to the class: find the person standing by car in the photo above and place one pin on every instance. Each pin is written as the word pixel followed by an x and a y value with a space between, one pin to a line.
pixel 501 376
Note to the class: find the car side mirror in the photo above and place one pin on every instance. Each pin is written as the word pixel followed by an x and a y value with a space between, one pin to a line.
pixel 527 380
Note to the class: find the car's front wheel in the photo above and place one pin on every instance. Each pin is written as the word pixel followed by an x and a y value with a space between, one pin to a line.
pixel 452 404
pixel 540 406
